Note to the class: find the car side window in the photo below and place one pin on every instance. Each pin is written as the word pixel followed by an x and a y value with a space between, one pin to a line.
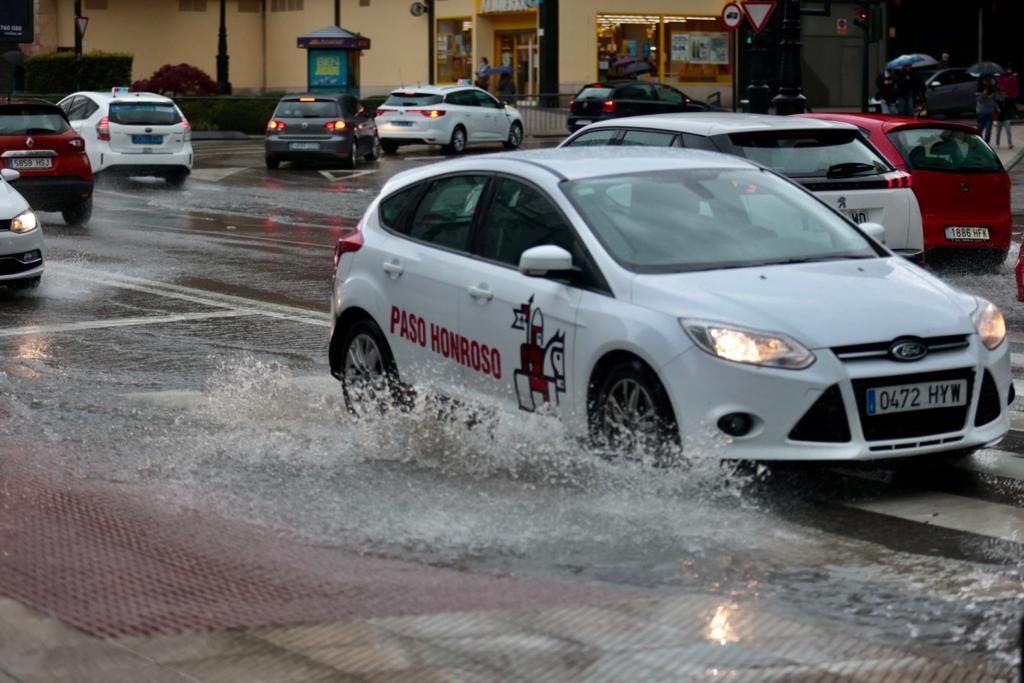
pixel 88 108
pixel 647 138
pixel 639 91
pixel 393 208
pixel 68 106
pixel 522 217
pixel 595 138
pixel 670 95
pixel 447 210
pixel 698 142
pixel 463 98
pixel 485 100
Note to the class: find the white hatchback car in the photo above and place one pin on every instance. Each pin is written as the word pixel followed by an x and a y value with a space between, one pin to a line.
pixel 132 134
pixel 640 293
pixel 21 237
pixel 833 160
pixel 448 115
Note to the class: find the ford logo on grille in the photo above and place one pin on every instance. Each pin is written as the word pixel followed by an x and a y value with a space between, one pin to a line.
pixel 906 350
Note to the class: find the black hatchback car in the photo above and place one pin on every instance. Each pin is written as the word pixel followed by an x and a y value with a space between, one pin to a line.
pixel 322 126
pixel 615 99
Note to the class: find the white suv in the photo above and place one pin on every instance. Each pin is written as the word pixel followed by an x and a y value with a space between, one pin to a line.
pixel 451 115
pixel 132 133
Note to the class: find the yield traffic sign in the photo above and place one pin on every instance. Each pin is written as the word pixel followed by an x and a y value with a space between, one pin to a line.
pixel 732 16
pixel 81 23
pixel 757 12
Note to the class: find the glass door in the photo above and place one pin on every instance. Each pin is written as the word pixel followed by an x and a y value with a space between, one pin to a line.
pixel 517 53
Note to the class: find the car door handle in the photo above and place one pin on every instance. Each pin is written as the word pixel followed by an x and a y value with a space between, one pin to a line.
pixel 481 292
pixel 393 268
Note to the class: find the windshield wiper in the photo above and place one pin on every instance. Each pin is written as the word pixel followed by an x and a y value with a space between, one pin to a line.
pixel 820 259
pixel 850 168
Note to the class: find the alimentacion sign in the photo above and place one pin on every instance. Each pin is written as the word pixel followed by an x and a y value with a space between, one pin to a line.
pixel 16 21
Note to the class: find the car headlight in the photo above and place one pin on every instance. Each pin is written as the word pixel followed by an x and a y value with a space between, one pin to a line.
pixel 991 326
pixel 26 222
pixel 748 346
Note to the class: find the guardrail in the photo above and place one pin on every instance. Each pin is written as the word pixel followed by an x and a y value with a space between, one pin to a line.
pixel 544 114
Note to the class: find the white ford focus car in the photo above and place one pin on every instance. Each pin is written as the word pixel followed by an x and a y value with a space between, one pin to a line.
pixel 664 293
pixel 834 160
pixel 21 237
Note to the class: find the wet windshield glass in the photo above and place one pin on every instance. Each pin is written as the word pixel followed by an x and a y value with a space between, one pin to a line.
pixel 944 149
pixel 30 121
pixel 594 93
pixel 144 114
pixel 704 219
pixel 802 154
pixel 297 109
pixel 412 99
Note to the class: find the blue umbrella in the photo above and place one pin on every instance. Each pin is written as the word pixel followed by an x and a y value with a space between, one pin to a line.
pixel 916 60
pixel 627 60
pixel 499 70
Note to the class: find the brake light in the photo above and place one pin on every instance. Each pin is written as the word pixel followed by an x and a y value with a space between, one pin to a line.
pixel 348 244
pixel 307 99
pixel 900 180
pixel 381 112
pixel 188 129
pixel 276 125
pixel 335 125
pixel 608 107
pixel 430 113
pixel 103 129
pixel 572 104
pixel 76 143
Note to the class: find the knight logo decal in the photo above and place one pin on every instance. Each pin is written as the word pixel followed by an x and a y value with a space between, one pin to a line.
pixel 841 202
pixel 540 377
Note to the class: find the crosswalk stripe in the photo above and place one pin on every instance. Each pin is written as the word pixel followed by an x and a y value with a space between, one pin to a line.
pixel 997 463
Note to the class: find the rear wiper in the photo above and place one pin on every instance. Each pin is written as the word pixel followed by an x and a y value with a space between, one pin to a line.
pixel 39 131
pixel 850 168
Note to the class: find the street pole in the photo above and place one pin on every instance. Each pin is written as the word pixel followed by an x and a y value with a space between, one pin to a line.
pixel 865 67
pixel 337 13
pixel 790 99
pixel 430 41
pixel 222 53
pixel 758 93
pixel 78 46
pixel 547 14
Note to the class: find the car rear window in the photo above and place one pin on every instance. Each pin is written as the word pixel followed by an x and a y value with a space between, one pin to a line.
pixel 945 149
pixel 144 114
pixel 299 109
pixel 412 99
pixel 811 153
pixel 594 93
pixel 16 120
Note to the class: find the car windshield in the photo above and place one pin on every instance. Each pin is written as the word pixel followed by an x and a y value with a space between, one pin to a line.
pixel 306 109
pixel 705 219
pixel 412 99
pixel 144 114
pixel 594 93
pixel 16 120
pixel 945 149
pixel 810 153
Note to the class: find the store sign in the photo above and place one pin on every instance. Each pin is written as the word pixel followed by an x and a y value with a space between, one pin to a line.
pixel 16 25
pixel 498 6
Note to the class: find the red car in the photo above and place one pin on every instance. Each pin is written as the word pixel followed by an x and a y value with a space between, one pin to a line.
pixel 959 182
pixel 37 141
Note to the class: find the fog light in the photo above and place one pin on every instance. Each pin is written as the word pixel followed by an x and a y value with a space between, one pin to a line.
pixel 30 256
pixel 736 424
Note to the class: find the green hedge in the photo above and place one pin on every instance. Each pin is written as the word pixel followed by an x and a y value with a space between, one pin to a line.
pixel 245 114
pixel 55 71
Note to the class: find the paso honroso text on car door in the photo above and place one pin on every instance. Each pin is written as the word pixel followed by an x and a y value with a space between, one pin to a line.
pixel 524 326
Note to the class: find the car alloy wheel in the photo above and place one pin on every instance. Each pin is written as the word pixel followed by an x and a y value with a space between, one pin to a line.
pixel 631 414
pixel 628 412
pixel 458 142
pixel 515 136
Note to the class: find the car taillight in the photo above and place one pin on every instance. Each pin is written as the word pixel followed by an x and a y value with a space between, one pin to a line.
pixel 76 143
pixel 381 112
pixel 276 125
pixel 103 129
pixel 900 180
pixel 430 113
pixel 572 104
pixel 188 129
pixel 335 125
pixel 608 107
pixel 348 244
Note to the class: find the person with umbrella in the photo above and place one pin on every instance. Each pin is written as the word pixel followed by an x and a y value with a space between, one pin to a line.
pixel 483 74
pixel 908 87
pixel 886 94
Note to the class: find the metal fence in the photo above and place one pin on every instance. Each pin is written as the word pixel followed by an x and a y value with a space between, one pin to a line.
pixel 543 115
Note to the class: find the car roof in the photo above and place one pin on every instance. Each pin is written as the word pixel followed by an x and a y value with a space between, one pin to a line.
pixel 432 89
pixel 123 97
pixel 719 123
pixel 337 96
pixel 888 122
pixel 22 102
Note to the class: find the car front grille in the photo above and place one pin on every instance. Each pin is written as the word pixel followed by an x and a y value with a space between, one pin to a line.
pixel 10 265
pixel 5 225
pixel 989 405
pixel 876 350
pixel 913 423
pixel 825 421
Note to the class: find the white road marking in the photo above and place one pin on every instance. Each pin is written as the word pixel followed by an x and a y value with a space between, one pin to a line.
pixel 122 322
pixel 215 175
pixel 338 176
pixel 952 512
pixel 996 462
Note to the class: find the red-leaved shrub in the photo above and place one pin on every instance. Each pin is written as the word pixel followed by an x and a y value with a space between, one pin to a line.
pixel 178 79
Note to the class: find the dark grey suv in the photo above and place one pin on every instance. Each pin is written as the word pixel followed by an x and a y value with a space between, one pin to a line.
pixel 321 126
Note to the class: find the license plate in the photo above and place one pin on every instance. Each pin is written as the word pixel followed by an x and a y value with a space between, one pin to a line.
pixel 967 234
pixel 304 146
pixel 857 217
pixel 30 163
pixel 904 398
pixel 401 124
pixel 147 139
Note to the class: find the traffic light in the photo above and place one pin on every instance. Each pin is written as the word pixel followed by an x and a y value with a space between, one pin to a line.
pixel 860 18
pixel 870 18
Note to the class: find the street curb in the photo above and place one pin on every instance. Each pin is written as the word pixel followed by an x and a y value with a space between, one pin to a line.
pixel 218 135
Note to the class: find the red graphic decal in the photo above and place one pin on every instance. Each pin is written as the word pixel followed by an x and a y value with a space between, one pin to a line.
pixel 541 373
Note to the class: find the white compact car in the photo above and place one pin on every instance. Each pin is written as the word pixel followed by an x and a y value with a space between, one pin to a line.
pixel 448 115
pixel 664 293
pixel 21 237
pixel 132 133
pixel 833 160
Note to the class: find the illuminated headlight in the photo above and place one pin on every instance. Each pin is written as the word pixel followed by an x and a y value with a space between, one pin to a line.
pixel 748 346
pixel 26 222
pixel 991 326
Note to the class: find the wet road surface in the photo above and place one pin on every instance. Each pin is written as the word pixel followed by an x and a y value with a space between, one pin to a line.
pixel 178 345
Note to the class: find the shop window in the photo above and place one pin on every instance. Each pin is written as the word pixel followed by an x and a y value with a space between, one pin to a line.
pixel 697 50
pixel 191 5
pixel 627 45
pixel 454 54
pixel 286 5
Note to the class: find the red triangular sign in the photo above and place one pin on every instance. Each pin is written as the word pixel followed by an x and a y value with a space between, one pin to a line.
pixel 82 23
pixel 757 12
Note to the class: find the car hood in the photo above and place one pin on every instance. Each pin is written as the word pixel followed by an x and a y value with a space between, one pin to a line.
pixel 835 303
pixel 11 201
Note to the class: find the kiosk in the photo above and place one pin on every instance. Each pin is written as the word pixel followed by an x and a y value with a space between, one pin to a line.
pixel 333 60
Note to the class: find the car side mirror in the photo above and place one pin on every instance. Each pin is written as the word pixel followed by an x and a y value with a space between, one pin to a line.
pixel 545 260
pixel 875 231
pixel 9 174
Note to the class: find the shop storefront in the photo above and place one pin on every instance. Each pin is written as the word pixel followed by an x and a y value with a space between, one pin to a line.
pixel 511 27
pixel 454 51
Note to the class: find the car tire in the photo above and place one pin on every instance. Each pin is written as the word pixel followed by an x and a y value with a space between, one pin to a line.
pixel 176 179
pixel 349 162
pixel 457 145
pixel 367 370
pixel 374 150
pixel 631 413
pixel 273 164
pixel 388 146
pixel 27 283
pixel 515 136
pixel 77 214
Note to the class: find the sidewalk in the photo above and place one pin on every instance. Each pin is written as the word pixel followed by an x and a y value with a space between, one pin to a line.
pixel 1010 157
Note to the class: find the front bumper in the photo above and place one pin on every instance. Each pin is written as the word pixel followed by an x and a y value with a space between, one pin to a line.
pixel 837 427
pixel 15 262
pixel 50 193
pixel 335 147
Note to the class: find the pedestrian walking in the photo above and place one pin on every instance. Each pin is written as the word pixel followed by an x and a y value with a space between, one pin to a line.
pixel 1009 82
pixel 886 91
pixel 483 76
pixel 985 106
pixel 907 89
pixel 1005 113
pixel 943 62
pixel 506 88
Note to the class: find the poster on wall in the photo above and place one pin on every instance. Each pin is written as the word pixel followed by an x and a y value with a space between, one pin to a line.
pixel 442 48
pixel 16 21
pixel 680 47
pixel 328 69
pixel 708 48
